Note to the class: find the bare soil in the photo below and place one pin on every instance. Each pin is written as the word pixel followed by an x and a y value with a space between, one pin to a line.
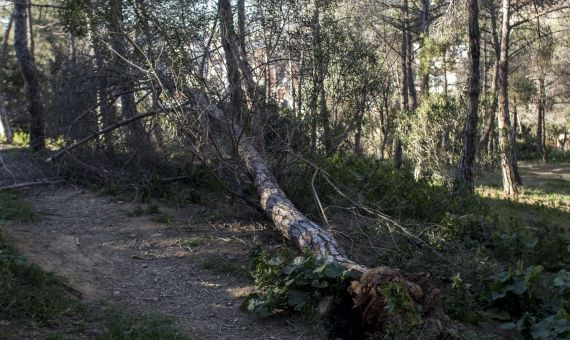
pixel 145 264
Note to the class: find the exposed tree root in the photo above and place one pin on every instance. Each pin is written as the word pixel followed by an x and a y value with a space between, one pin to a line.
pixel 375 315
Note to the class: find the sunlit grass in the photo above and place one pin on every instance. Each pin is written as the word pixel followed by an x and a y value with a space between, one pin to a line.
pixel 545 194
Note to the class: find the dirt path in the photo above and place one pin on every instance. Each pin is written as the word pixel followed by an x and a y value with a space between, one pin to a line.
pixel 152 263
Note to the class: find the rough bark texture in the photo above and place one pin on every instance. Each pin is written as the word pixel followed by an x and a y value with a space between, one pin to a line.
pixel 470 129
pixel 4 117
pixel 505 147
pixel 30 75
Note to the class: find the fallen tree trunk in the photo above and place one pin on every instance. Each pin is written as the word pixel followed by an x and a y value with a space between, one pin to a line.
pixel 306 234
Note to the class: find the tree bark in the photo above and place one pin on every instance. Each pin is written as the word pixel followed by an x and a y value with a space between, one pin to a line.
pixel 412 93
pixel 105 102
pixel 505 147
pixel 514 158
pixel 404 86
pixel 361 108
pixel 30 75
pixel 320 99
pixel 470 129
pixel 485 141
pixel 255 97
pixel 231 45
pixel 425 21
pixel 540 128
pixel 385 120
pixel 138 138
pixel 4 116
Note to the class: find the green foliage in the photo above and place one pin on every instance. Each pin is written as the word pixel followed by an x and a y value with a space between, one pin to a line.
pixel 431 48
pixel 29 295
pixel 422 132
pixel 461 302
pixel 523 89
pixel 12 207
pixel 21 139
pixel 408 317
pixel 475 238
pixel 117 326
pixel 544 311
pixel 376 184
pixel 514 290
pixel 73 16
pixel 283 283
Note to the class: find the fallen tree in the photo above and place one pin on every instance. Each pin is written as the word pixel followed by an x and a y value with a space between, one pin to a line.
pixel 307 235
pixel 304 233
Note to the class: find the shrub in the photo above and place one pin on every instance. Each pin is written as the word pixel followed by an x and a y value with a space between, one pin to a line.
pixel 283 283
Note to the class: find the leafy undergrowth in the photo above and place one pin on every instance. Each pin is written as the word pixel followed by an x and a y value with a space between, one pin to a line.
pixel 287 283
pixel 500 262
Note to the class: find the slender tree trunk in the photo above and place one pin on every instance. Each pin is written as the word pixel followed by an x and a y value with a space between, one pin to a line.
pixel 30 75
pixel 404 86
pixel 138 138
pixel 486 139
pixel 4 116
pixel 544 146
pixel 105 103
pixel 470 130
pixel 361 109
pixel 412 93
pixel 425 21
pixel 540 138
pixel 505 147
pixel 514 158
pixel 230 45
pixel 256 101
pixel 445 85
pixel 385 120
pixel 323 113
